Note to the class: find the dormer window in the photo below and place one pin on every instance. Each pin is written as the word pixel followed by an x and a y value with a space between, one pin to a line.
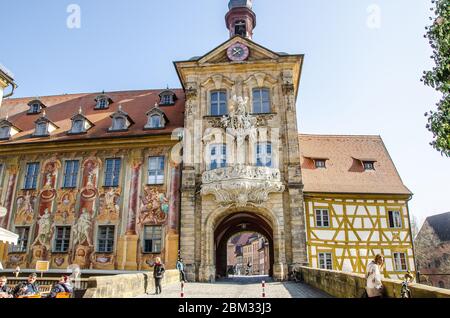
pixel 43 127
pixel 36 107
pixel 102 102
pixel 156 118
pixel 5 132
pixel 7 129
pixel 320 163
pixel 120 121
pixel 167 98
pixel 80 124
pixel 369 165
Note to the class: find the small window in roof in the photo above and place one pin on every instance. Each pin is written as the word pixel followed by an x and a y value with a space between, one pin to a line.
pixel 102 102
pixel 167 98
pixel 5 132
pixel 36 107
pixel 369 165
pixel 320 163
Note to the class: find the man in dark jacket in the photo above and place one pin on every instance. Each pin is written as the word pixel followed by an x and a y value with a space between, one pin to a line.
pixel 158 274
pixel 63 286
pixel 30 287
pixel 5 291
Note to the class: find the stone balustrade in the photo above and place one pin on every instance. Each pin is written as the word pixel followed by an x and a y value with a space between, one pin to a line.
pixel 349 285
pixel 127 285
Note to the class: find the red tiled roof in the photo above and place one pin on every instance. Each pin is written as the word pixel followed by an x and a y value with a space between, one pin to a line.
pixel 344 172
pixel 61 108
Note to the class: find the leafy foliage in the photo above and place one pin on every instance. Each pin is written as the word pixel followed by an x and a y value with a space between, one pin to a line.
pixel 439 77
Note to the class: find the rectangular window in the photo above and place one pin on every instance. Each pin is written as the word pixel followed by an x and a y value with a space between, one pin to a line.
pixel 369 165
pixel 320 164
pixel 218 156
pixel 261 100
pixel 112 172
pixel 156 170
pixel 62 239
pixel 22 242
pixel 264 154
pixel 400 262
pixel 71 173
pixel 218 103
pixel 31 176
pixel 325 261
pixel 152 239
pixel 322 218
pixel 395 219
pixel 105 239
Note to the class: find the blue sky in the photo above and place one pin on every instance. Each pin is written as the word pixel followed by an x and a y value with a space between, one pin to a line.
pixel 356 79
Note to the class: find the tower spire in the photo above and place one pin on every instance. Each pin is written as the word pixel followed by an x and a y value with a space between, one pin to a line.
pixel 240 19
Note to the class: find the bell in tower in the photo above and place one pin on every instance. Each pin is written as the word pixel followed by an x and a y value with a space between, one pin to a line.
pixel 240 19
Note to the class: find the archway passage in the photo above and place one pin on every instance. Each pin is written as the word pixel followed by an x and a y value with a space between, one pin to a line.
pixel 235 224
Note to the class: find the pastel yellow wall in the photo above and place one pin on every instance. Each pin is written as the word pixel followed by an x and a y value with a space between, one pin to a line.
pixel 359 229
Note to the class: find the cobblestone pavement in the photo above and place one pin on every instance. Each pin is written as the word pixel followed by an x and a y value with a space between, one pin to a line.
pixel 240 287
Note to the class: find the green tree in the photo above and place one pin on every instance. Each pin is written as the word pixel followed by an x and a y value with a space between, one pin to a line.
pixel 439 77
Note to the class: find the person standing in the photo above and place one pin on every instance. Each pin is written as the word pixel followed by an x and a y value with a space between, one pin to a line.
pixel 158 274
pixel 5 291
pixel 29 288
pixel 374 286
pixel 180 267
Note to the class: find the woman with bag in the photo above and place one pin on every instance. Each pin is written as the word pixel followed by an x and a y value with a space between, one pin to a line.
pixel 374 286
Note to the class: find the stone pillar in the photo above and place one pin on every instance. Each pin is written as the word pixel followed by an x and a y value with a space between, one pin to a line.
pixel 128 248
pixel 187 230
pixel 172 237
pixel 13 169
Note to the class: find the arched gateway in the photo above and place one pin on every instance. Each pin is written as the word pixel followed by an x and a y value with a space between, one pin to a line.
pixel 234 224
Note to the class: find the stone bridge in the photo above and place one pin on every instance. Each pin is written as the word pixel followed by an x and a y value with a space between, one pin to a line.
pixel 314 283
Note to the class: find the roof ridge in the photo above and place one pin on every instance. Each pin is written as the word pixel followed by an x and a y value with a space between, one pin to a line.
pixel 338 135
pixel 96 92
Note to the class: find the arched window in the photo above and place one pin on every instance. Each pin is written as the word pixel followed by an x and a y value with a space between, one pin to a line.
pixel 264 154
pixel 240 28
pixel 218 105
pixel 261 101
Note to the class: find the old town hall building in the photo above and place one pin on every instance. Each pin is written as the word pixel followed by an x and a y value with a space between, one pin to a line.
pixel 112 180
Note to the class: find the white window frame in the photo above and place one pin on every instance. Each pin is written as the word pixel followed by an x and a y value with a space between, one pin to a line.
pixel 323 258
pixel 34 176
pixel 71 177
pixel 259 109
pixel 5 132
pixel 219 157
pixel 38 129
pixel 157 174
pixel 397 259
pixel 116 127
pixel 75 129
pixel 19 248
pixel 154 125
pixel 397 219
pixel 68 230
pixel 369 165
pixel 97 248
pixel 320 164
pixel 319 217
pixel 102 103
pixel 263 155
pixel 218 103
pixel 161 239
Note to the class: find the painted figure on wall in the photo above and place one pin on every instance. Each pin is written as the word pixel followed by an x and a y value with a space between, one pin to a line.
pixel 25 208
pixel 65 213
pixel 44 230
pixel 154 207
pixel 82 229
pixel 109 209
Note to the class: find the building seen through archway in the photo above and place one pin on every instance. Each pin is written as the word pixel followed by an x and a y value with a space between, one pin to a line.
pixel 248 254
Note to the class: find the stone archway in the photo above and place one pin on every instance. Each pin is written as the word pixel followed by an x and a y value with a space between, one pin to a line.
pixel 234 224
pixel 262 219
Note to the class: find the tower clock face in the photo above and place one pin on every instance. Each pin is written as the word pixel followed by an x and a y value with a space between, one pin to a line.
pixel 238 52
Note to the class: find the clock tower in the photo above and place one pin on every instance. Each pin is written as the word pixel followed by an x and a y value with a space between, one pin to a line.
pixel 240 19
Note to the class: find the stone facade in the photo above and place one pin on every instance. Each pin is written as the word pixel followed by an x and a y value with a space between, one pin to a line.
pixel 433 252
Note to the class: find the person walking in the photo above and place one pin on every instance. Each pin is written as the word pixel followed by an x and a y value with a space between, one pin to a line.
pixel 374 286
pixel 63 286
pixel 158 274
pixel 180 267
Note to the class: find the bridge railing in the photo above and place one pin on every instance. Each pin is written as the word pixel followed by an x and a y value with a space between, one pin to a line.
pixel 349 285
